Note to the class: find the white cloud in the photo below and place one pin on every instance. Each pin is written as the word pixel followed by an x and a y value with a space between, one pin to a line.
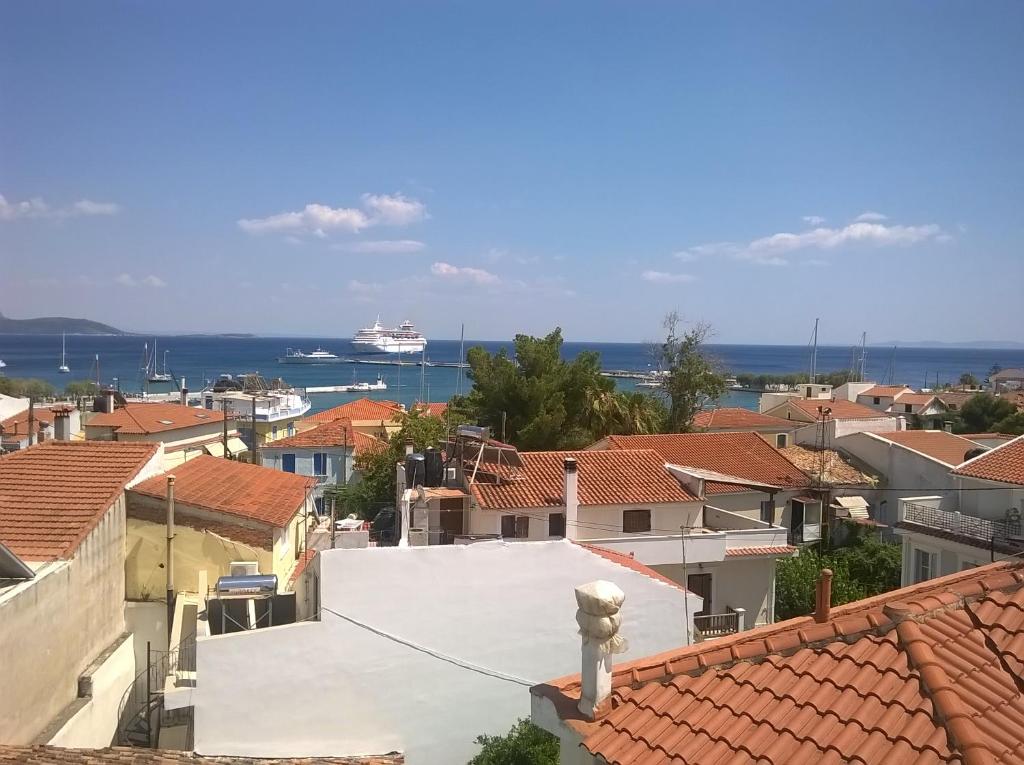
pixel 88 207
pixel 394 210
pixel 686 256
pixel 38 208
pixel 813 220
pixel 318 219
pixel 772 250
pixel 382 246
pixel 663 277
pixel 464 273
pixel 871 217
pixel 127 280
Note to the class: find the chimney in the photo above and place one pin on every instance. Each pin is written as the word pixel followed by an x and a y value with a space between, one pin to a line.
pixel 901 423
pixel 184 393
pixel 823 596
pixel 570 494
pixel 947 426
pixel 410 447
pixel 598 618
pixel 108 401
pixel 62 424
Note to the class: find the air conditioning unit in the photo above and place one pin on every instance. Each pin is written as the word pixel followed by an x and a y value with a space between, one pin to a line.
pixel 245 568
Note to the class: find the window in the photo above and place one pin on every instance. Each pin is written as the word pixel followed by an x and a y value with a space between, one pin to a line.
pixel 877 400
pixel 635 521
pixel 556 525
pixel 273 432
pixel 318 504
pixel 908 408
pixel 291 428
pixel 780 440
pixel 284 540
pixel 515 526
pixel 288 463
pixel 924 565
pixel 319 463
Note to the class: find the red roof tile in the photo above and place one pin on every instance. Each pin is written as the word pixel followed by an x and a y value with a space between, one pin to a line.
pixel 773 550
pixel 300 565
pixel 119 755
pixel 360 410
pixel 17 425
pixel 53 494
pixel 937 444
pixel 154 418
pixel 434 410
pixel 841 408
pixel 631 563
pixel 744 455
pixel 1004 464
pixel 886 391
pixel 236 488
pixel 735 418
pixel 929 673
pixel 337 433
pixel 604 478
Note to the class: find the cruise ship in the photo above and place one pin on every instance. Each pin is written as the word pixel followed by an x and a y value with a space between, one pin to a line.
pixel 378 339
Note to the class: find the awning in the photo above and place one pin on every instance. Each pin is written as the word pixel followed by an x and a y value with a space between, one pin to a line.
pixel 851 507
pixel 236 446
pixel 215 449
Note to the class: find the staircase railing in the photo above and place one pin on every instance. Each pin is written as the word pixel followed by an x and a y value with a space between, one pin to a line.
pixel 141 712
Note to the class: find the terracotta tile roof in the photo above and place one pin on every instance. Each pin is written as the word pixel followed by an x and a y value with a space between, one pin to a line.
pixel 300 565
pixel 119 755
pixel 53 494
pixel 745 455
pixel 337 433
pixel 17 425
pixel 434 410
pixel 154 418
pixel 772 550
pixel 631 563
pixel 989 436
pixel 605 478
pixel 360 410
pixel 937 444
pixel 926 674
pixel 955 398
pixel 917 399
pixel 1004 464
pixel 236 488
pixel 886 391
pixel 839 471
pixel 841 408
pixel 736 418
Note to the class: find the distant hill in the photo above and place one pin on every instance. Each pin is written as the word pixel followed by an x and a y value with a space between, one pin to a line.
pixel 980 344
pixel 54 325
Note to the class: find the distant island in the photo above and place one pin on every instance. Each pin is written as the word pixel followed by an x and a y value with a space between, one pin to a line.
pixel 55 325
pixel 980 344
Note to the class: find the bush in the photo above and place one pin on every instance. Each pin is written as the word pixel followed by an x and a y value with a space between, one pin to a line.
pixel 524 744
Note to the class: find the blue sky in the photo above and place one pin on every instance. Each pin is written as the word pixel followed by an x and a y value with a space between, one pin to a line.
pixel 299 168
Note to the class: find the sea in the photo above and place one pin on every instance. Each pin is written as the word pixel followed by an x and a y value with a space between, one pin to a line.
pixel 199 359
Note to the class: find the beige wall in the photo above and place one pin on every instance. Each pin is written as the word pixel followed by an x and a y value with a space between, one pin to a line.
pixel 54 626
pixel 747 583
pixel 592 522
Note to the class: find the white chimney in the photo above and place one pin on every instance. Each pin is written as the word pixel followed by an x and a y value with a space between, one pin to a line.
pixel 184 393
pixel 599 621
pixel 901 423
pixel 570 494
pixel 62 424
pixel 108 400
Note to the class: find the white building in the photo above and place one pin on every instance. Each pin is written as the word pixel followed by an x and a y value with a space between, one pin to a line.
pixel 418 650
pixel 980 522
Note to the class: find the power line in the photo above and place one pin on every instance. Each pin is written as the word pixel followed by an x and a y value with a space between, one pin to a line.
pixel 462 663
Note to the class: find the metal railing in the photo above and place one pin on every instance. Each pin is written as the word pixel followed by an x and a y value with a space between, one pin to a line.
pixel 957 523
pixel 716 625
pixel 141 713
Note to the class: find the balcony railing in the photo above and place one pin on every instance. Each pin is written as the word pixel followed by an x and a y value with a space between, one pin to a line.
pixel 957 523
pixel 716 625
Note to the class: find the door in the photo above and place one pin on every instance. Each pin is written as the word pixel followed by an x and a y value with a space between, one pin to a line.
pixel 796 522
pixel 700 584
pixel 451 525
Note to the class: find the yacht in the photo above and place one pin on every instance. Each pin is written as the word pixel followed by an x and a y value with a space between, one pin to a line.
pixel 63 368
pixel 379 339
pixel 157 376
pixel 298 356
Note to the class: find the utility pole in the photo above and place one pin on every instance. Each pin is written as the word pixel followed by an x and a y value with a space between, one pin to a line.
pixel 170 557
pixel 334 517
pixel 255 449
pixel 224 411
pixel 31 421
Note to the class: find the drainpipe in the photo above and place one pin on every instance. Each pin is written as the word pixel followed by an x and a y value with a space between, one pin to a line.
pixel 170 557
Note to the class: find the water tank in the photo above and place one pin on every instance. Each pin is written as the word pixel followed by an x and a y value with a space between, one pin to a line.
pixel 415 471
pixel 434 468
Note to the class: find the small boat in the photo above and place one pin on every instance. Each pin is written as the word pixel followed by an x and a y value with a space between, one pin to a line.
pixel 298 356
pixel 364 387
pixel 155 376
pixel 63 368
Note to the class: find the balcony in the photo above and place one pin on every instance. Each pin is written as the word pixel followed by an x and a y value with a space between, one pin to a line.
pixel 710 626
pixel 954 522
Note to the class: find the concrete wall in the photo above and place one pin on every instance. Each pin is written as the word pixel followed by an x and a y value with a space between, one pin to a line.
pixel 747 583
pixel 986 499
pixel 94 725
pixel 592 522
pixel 505 607
pixel 907 473
pixel 339 463
pixel 147 623
pixel 53 627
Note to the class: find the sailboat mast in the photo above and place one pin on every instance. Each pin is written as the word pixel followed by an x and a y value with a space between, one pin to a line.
pixel 462 356
pixel 814 355
pixel 863 355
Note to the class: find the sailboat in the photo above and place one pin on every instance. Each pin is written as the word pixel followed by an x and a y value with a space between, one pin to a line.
pixel 63 368
pixel 155 376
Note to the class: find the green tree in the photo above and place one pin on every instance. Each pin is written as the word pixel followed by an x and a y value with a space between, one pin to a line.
pixel 693 378
pixel 537 399
pixel 1012 424
pixel 524 744
pixel 969 380
pixel 982 412
pixel 81 389
pixel 26 387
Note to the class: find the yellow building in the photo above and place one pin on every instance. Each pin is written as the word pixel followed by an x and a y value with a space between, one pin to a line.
pixel 224 511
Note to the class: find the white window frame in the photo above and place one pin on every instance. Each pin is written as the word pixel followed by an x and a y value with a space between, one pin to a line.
pixel 933 558
pixel 325 465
